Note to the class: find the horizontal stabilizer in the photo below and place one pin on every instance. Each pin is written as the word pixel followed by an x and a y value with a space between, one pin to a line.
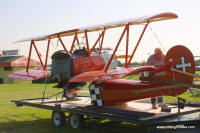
pixel 30 75
pixel 112 74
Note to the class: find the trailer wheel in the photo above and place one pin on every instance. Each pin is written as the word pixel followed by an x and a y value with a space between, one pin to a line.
pixel 58 119
pixel 76 121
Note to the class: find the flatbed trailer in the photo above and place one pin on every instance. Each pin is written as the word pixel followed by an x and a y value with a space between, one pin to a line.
pixel 134 112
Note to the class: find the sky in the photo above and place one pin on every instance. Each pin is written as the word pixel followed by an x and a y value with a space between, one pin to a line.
pixel 21 19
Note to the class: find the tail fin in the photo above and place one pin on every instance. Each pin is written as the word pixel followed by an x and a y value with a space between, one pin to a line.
pixel 180 58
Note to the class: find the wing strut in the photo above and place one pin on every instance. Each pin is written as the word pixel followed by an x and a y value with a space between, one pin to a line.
pixel 145 27
pixel 102 35
pixel 73 43
pixel 38 55
pixel 62 43
pixel 102 41
pixel 29 56
pixel 110 60
pixel 47 53
pixel 127 42
pixel 87 43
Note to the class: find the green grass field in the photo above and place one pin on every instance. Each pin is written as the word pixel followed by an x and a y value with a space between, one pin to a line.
pixel 33 120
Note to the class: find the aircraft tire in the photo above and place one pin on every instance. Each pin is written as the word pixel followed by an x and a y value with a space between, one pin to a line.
pixel 69 95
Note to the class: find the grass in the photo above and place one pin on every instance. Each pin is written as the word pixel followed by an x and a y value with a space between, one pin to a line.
pixel 187 96
pixel 34 120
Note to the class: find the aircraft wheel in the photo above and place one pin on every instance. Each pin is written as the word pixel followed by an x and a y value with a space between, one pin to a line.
pixel 70 95
pixel 58 119
pixel 76 121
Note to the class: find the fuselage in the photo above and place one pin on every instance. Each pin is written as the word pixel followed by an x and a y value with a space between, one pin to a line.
pixel 123 90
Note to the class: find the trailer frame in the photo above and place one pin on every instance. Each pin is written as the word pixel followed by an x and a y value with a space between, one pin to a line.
pixel 103 112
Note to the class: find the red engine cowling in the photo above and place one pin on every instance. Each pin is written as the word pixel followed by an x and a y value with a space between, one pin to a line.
pixel 86 64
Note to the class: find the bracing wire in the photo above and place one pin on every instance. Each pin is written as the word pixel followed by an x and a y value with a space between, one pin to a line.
pixel 82 41
pixel 57 45
pixel 44 91
pixel 54 47
pixel 52 44
pixel 156 37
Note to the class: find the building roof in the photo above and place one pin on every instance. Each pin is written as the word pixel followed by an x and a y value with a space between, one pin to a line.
pixel 17 61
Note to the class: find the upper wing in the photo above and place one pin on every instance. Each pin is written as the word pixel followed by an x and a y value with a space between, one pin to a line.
pixel 112 74
pixel 30 75
pixel 132 21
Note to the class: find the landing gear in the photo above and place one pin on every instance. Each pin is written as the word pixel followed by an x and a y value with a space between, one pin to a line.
pixel 69 88
pixel 58 119
pixel 68 94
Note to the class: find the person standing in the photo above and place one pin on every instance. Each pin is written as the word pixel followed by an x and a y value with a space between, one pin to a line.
pixel 157 60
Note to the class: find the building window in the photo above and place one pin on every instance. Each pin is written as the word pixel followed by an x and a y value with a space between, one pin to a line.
pixel 8 68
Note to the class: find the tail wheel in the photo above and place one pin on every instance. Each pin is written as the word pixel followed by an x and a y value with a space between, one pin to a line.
pixel 58 119
pixel 76 121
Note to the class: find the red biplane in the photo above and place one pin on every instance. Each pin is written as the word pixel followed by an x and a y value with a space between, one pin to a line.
pixel 108 85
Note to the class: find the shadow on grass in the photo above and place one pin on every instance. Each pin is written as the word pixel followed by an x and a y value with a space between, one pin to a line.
pixel 90 126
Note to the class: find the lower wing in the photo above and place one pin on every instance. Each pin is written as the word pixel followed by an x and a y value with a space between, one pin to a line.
pixel 30 75
pixel 112 74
